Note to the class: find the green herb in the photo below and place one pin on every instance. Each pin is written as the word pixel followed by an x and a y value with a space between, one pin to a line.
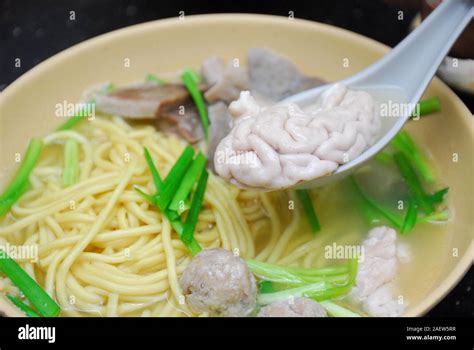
pixel 186 186
pixel 371 207
pixel 336 310
pixel 287 294
pixel 336 291
pixel 174 177
pixel 148 197
pixel 438 196
pixel 194 75
pixel 22 306
pixel 76 118
pixel 318 289
pixel 416 189
pixel 167 189
pixel 442 216
pixel 294 276
pixel 155 79
pixel 189 80
pixel 309 210
pixel 410 217
pixel 428 106
pixel 196 204
pixel 32 291
pixel 154 172
pixel 384 157
pixel 175 221
pixel 193 245
pixel 72 121
pixel 20 182
pixel 266 287
pixel 403 142
pixel 71 162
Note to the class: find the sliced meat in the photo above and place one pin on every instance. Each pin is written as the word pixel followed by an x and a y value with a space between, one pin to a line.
pixel 226 80
pixel 212 70
pixel 182 120
pixel 375 289
pixel 220 126
pixel 380 263
pixel 275 76
pixel 144 101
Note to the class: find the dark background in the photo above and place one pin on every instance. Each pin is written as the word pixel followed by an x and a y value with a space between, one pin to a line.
pixel 37 29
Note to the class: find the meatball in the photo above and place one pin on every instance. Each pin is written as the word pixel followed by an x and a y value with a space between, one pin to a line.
pixel 220 283
pixel 300 307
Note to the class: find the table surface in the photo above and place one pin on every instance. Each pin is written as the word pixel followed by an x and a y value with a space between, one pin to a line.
pixel 36 30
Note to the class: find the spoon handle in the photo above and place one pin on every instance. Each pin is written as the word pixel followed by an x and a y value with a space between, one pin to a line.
pixel 413 62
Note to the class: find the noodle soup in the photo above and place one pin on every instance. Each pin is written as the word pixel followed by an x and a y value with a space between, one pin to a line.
pixel 130 260
pixel 107 246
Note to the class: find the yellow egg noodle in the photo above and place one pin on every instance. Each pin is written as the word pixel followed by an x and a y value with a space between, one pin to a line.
pixel 103 250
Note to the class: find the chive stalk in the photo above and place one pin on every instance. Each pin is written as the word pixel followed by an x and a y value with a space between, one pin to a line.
pixel 309 210
pixel 414 185
pixel 336 310
pixel 438 196
pixel 71 162
pixel 410 217
pixel 32 291
pixel 428 106
pixel 22 306
pixel 19 183
pixel 153 78
pixel 174 177
pixel 196 204
pixel 266 287
pixel 76 118
pixel 318 290
pixel 371 206
pixel 291 275
pixel 403 142
pixel 166 190
pixel 189 179
pixel 190 81
pixel 154 172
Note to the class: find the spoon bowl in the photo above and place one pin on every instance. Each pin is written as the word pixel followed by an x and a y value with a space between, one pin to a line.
pixel 400 77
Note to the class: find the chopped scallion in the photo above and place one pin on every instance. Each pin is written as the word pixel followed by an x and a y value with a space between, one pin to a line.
pixel 155 79
pixel 416 189
pixel 20 182
pixel 410 217
pixel 403 142
pixel 428 106
pixel 22 306
pixel 189 80
pixel 196 205
pixel 371 207
pixel 186 186
pixel 174 177
pixel 309 210
pixel 32 291
pixel 71 162
pixel 154 172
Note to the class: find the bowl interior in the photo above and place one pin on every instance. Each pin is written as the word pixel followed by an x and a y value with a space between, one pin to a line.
pixel 27 107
